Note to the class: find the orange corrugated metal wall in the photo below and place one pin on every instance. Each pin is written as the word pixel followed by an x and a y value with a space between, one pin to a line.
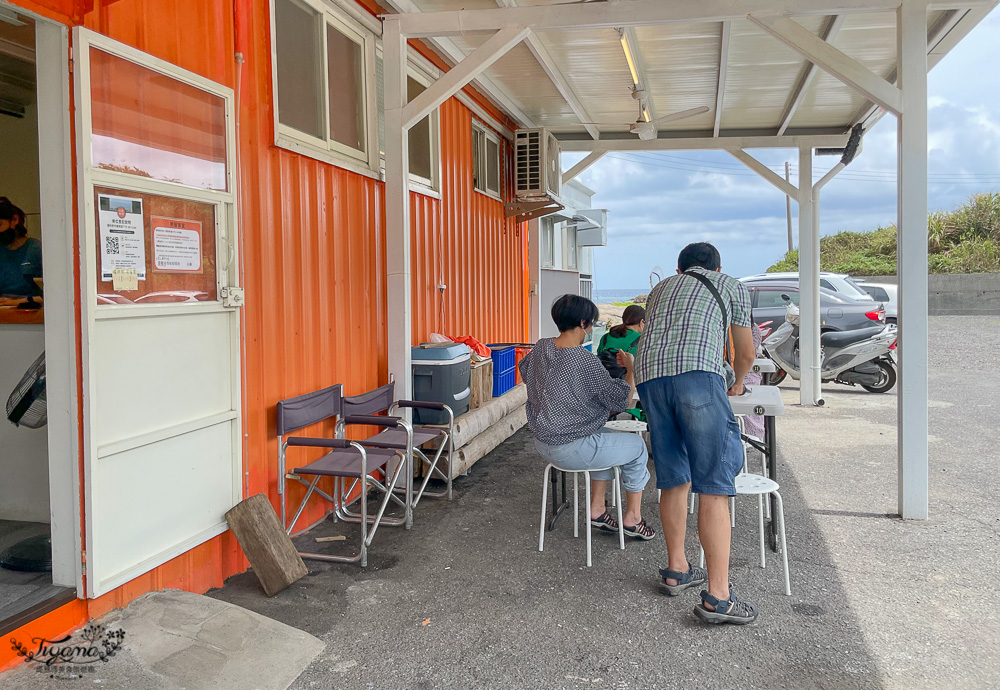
pixel 314 252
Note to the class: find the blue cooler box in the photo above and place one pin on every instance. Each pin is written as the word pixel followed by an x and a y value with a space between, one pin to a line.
pixel 441 373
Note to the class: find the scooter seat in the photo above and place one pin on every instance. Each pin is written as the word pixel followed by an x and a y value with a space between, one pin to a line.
pixel 845 338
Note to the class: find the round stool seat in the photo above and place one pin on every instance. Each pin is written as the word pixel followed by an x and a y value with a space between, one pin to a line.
pixel 628 425
pixel 754 484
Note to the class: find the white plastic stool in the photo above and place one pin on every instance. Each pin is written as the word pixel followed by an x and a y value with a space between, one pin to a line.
pixel 616 492
pixel 754 484
pixel 632 426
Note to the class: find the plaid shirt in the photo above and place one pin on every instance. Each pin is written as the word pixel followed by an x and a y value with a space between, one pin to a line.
pixel 684 325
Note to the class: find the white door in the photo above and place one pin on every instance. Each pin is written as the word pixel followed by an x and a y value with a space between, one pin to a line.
pixel 160 339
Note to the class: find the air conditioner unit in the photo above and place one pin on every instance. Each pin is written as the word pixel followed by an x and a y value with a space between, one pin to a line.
pixel 536 164
pixel 537 175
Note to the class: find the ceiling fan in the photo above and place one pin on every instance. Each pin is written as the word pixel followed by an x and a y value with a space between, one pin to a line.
pixel 645 128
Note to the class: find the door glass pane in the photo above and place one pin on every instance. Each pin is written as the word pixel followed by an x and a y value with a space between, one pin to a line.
pixel 300 67
pixel 767 299
pixel 346 73
pixel 420 135
pixel 170 242
pixel 492 166
pixel 148 124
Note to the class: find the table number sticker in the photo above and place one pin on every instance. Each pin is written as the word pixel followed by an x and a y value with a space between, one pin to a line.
pixel 176 245
pixel 758 409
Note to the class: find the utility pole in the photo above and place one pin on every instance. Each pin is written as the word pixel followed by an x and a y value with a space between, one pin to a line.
pixel 788 212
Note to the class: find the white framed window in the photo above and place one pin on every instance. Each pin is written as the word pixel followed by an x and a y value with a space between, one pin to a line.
pixel 425 136
pixel 324 82
pixel 546 230
pixel 570 260
pixel 486 156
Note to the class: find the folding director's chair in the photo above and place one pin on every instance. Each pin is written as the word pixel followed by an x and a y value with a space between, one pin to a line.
pixel 347 460
pixel 382 399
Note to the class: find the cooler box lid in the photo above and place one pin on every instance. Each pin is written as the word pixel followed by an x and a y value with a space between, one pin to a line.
pixel 439 352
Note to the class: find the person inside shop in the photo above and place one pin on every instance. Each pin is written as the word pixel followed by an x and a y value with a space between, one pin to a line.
pixel 20 255
pixel 625 336
pixel 570 397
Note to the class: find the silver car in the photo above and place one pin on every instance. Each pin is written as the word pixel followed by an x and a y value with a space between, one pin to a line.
pixel 840 283
pixel 838 313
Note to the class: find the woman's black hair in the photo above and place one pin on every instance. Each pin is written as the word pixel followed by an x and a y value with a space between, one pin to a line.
pixel 632 315
pixel 8 211
pixel 570 311
pixel 701 255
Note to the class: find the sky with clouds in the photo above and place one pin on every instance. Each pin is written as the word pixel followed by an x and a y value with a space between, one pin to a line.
pixel 660 201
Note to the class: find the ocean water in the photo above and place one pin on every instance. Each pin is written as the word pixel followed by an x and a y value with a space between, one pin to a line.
pixel 618 295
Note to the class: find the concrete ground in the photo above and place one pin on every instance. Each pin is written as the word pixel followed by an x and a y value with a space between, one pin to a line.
pixel 465 600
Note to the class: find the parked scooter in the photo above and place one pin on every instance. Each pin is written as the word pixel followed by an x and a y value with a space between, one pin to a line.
pixel 859 357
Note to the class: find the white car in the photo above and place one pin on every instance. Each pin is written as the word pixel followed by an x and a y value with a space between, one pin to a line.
pixel 884 293
pixel 840 283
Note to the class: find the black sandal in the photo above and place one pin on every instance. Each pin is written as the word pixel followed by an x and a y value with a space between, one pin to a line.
pixel 605 522
pixel 694 577
pixel 640 531
pixel 730 610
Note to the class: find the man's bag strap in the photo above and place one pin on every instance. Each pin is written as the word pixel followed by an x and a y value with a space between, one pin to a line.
pixel 722 305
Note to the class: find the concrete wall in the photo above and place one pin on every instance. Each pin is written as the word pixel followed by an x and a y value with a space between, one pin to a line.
pixel 969 294
pixel 24 457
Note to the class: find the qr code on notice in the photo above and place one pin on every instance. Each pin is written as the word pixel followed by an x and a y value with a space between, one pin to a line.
pixel 110 245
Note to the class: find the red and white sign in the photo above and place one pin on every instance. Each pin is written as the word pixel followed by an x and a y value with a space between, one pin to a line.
pixel 176 245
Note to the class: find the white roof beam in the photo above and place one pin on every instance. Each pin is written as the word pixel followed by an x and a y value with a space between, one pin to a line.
pixel 451 52
pixel 799 92
pixel 836 62
pixel 942 37
pixel 461 74
pixel 769 175
pixel 611 15
pixel 705 143
pixel 587 161
pixel 558 79
pixel 723 69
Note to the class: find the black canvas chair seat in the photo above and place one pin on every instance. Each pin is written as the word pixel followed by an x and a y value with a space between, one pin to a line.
pixel 421 435
pixel 345 463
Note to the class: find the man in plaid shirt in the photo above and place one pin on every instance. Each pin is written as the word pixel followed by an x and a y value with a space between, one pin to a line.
pixel 681 378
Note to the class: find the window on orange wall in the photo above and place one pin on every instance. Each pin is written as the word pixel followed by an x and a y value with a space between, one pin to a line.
pixel 148 124
pixel 485 160
pixel 322 57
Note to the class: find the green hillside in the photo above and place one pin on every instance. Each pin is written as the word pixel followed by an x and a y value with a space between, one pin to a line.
pixel 966 240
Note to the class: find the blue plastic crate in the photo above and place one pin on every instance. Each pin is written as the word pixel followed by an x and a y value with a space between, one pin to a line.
pixel 503 381
pixel 503 358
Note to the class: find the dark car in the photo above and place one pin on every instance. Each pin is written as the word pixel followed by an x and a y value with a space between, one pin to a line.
pixel 839 313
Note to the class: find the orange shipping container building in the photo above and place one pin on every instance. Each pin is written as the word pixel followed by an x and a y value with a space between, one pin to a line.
pixel 299 226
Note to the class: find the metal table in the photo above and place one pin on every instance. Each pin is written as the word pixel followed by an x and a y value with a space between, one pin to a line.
pixel 766 401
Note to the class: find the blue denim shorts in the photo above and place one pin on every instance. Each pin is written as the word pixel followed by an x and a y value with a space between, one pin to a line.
pixel 603 449
pixel 693 432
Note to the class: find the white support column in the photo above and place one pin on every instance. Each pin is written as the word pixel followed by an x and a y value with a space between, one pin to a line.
pixel 397 210
pixel 911 37
pixel 809 315
pixel 535 279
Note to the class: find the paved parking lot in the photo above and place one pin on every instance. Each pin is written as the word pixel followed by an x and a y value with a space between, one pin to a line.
pixel 465 600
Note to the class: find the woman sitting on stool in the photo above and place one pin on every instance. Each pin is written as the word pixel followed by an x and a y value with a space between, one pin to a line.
pixel 570 396
pixel 625 336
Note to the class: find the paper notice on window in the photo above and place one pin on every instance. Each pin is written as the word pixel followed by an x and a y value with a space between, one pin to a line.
pixel 123 240
pixel 124 279
pixel 176 245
